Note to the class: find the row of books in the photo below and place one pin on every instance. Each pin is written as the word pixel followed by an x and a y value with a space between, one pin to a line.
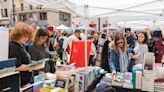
pixel 148 80
pixel 80 78
pixel 159 80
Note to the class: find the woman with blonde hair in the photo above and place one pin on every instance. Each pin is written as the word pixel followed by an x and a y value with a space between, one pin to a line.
pixel 119 55
pixel 19 35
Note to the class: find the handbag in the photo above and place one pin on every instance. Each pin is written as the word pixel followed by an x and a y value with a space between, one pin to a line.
pixel 131 64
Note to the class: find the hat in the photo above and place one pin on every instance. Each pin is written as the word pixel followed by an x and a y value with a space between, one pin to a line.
pixel 50 28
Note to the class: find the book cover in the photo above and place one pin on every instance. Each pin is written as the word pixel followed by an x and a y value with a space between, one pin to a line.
pixel 38 86
pixel 79 83
pixel 40 77
pixel 62 82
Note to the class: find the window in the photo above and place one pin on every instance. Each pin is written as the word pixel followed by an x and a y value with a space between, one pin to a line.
pixel 31 7
pixel 43 16
pixel 2 13
pixel 61 17
pixel 67 17
pixel 5 0
pixel 6 13
pixel 23 17
pixel 22 7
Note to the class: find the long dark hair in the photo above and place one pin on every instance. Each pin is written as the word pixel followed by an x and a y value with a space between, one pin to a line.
pixel 146 37
pixel 105 56
pixel 40 32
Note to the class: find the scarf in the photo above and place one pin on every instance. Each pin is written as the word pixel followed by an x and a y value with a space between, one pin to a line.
pixel 123 60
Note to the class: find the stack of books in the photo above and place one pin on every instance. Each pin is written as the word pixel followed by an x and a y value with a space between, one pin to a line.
pixel 118 79
pixel 159 86
pixel 138 79
pixel 159 80
pixel 148 80
pixel 65 70
pixel 84 78
pixel 128 80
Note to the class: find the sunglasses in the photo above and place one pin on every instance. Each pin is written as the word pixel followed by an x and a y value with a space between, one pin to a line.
pixel 120 42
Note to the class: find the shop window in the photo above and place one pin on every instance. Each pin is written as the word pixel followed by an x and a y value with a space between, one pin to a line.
pixel 43 16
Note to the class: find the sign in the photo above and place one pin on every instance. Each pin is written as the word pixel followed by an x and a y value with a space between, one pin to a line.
pixel 78 53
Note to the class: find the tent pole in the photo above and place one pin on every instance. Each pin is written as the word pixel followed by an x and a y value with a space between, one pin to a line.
pixel 86 24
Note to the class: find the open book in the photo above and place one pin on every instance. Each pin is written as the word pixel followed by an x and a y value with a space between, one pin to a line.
pixel 34 63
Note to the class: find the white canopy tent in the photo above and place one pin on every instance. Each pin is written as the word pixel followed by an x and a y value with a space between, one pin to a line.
pixel 3 28
pixel 122 9
pixel 62 27
pixel 116 10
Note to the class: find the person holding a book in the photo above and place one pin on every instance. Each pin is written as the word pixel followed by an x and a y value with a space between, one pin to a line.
pixel 19 35
pixel 39 49
pixel 118 61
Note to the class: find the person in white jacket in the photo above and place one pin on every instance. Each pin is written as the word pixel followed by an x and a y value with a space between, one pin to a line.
pixel 92 56
pixel 68 43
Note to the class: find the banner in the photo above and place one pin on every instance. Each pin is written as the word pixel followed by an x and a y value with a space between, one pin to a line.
pixel 78 53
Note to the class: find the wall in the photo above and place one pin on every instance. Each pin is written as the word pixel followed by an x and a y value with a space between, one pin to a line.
pixel 53 18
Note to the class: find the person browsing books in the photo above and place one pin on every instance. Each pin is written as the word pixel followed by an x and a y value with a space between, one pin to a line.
pixel 119 55
pixel 39 49
pixel 140 48
pixel 19 35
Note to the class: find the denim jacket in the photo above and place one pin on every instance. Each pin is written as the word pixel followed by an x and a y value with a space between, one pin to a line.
pixel 114 60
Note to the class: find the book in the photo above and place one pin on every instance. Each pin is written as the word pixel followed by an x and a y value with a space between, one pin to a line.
pixel 38 86
pixel 62 82
pixel 38 78
pixel 118 79
pixel 7 66
pixel 65 70
pixel 148 80
pixel 127 80
pixel 149 61
pixel 33 63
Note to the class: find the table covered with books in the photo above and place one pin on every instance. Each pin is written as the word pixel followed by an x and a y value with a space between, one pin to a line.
pixel 138 80
pixel 69 78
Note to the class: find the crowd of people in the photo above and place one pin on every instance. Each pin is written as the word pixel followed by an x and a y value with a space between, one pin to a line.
pixel 120 50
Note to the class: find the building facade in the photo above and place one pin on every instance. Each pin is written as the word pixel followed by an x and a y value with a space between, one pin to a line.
pixel 13 11
pixel 4 13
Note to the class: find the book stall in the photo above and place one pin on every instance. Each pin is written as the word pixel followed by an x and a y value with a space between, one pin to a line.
pixel 69 78
pixel 77 77
pixel 148 77
pixel 66 79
